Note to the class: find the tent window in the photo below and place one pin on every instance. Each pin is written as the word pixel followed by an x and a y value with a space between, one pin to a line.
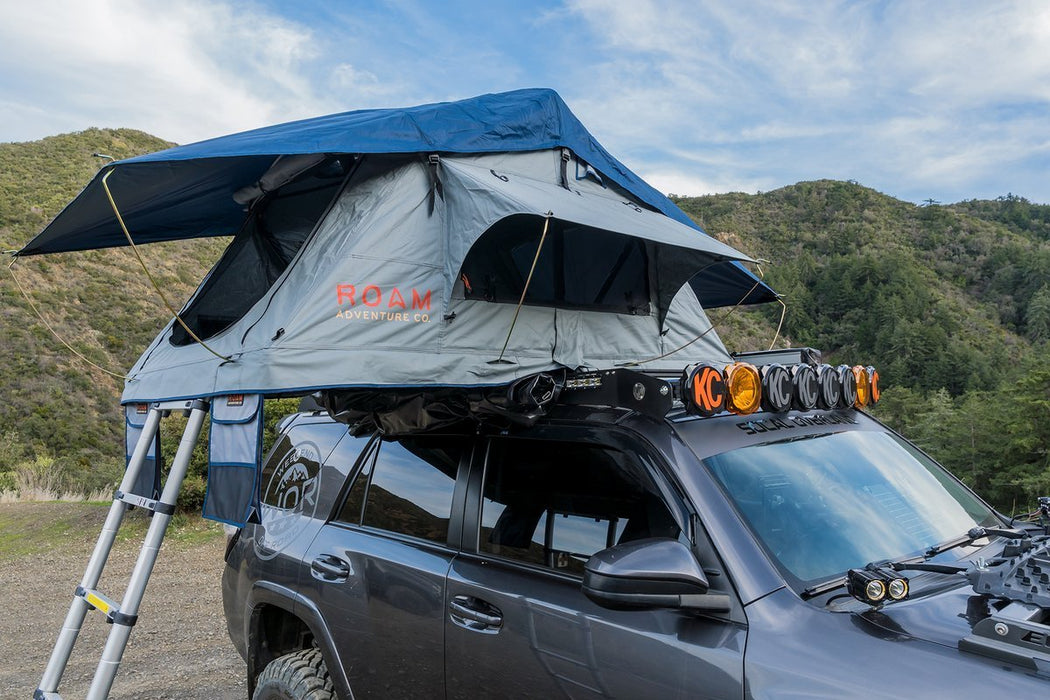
pixel 579 267
pixel 260 252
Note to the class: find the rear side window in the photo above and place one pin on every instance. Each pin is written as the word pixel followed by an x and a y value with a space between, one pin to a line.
pixel 350 511
pixel 290 475
pixel 556 503
pixel 411 486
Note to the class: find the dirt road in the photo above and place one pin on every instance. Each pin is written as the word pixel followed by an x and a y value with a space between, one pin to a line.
pixel 178 649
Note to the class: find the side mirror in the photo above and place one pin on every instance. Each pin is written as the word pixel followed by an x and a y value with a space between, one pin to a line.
pixel 651 573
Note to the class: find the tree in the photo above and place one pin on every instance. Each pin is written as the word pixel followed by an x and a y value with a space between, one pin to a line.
pixel 1037 317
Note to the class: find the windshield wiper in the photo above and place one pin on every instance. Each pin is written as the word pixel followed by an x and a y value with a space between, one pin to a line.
pixel 971 536
pixel 920 562
pixel 822 588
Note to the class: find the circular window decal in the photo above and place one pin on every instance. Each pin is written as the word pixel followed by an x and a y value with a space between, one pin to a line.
pixel 289 499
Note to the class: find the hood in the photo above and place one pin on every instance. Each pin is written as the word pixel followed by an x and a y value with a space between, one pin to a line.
pixel 950 613
pixel 908 649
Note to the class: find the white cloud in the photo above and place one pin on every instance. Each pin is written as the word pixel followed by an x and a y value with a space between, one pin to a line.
pixel 687 184
pixel 989 52
pixel 919 95
pixel 183 71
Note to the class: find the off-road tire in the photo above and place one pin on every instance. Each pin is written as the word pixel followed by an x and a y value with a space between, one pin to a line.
pixel 301 675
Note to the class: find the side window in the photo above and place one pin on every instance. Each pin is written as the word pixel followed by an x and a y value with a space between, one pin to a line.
pixel 411 486
pixel 350 511
pixel 555 503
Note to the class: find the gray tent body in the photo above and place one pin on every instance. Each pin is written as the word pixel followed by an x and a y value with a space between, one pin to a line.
pixel 410 274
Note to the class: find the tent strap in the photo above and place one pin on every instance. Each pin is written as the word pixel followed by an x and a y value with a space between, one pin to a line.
pixel 135 250
pixel 783 313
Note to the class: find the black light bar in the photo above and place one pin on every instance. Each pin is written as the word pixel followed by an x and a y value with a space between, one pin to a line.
pixel 876 585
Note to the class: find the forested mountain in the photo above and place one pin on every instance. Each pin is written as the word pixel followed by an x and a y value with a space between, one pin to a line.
pixel 950 301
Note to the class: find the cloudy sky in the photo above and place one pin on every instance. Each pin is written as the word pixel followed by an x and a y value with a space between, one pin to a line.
pixel 944 100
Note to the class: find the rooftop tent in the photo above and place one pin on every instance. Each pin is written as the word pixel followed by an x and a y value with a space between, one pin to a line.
pixel 389 248
pixel 411 274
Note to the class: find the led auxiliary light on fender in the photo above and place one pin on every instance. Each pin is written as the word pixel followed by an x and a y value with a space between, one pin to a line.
pixel 875 586
pixel 743 388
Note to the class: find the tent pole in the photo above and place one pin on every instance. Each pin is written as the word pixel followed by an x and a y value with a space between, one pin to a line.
pixel 528 280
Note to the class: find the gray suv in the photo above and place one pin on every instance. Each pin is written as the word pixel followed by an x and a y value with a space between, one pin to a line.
pixel 607 551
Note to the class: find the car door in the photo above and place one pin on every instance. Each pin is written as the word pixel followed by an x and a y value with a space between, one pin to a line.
pixel 292 505
pixel 518 623
pixel 378 566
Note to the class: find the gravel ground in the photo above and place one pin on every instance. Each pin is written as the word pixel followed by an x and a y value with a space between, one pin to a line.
pixel 178 649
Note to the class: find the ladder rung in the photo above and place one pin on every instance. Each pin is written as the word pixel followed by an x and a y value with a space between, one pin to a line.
pixel 146 503
pixel 107 606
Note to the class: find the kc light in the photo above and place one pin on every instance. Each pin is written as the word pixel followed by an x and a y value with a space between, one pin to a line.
pixel 849 386
pixel 875 590
pixel 873 378
pixel 776 388
pixel 875 585
pixel 898 588
pixel 805 389
pixel 743 388
pixel 860 374
pixel 830 387
pixel 704 390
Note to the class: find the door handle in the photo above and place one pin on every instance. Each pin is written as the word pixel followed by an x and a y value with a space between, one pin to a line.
pixel 328 567
pixel 475 614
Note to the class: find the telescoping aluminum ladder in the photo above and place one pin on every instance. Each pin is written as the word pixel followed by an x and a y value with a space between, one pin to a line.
pixel 124 613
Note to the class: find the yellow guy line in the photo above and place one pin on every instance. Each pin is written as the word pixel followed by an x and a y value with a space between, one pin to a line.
pixel 783 313
pixel 11 269
pixel 714 324
pixel 135 250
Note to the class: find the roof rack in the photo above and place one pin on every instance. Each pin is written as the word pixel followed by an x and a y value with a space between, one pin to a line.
pixel 783 356
pixel 620 388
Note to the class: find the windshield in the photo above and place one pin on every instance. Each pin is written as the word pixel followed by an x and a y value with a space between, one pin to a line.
pixel 824 504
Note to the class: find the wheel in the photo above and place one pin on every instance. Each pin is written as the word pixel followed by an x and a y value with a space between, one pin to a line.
pixel 301 675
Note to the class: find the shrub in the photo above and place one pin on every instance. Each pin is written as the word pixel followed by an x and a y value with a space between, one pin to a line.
pixel 39 479
pixel 191 498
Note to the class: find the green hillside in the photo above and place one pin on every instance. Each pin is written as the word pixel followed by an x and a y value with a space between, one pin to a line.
pixel 950 302
pixel 55 405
